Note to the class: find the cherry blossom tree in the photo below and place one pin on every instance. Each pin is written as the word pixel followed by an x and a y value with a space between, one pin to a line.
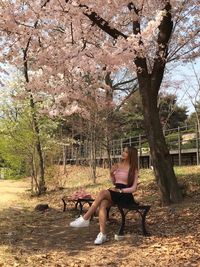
pixel 68 38
pixel 145 36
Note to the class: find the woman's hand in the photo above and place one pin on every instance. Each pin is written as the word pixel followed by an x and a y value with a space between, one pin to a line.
pixel 114 168
pixel 114 189
pixel 112 172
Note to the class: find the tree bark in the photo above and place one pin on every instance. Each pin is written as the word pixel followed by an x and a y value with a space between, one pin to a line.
pixel 41 180
pixel 161 159
pixel 109 117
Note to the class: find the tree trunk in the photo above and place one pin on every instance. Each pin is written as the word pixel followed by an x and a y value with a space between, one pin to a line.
pixel 64 160
pixel 93 161
pixel 149 86
pixel 108 152
pixel 41 182
pixel 163 168
pixel 93 165
pixel 34 175
pixel 109 116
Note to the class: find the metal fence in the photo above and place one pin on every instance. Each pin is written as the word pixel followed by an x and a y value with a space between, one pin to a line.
pixel 183 143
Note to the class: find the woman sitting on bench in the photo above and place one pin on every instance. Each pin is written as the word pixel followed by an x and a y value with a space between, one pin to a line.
pixel 124 176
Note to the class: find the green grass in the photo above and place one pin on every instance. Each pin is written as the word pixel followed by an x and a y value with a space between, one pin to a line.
pixel 188 174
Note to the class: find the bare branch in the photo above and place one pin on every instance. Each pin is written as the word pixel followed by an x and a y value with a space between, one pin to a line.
pixel 123 83
pixel 140 62
pixel 101 23
pixel 45 3
pixel 136 23
pixel 183 54
pixel 133 90
pixel 182 46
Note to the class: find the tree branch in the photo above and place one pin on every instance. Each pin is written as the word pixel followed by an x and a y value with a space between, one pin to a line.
pixel 101 23
pixel 178 48
pixel 165 30
pixel 136 23
pixel 134 89
pixel 123 83
pixel 140 62
pixel 183 54
pixel 25 52
pixel 45 3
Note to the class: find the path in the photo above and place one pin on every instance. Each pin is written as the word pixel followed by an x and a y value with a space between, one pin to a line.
pixel 10 191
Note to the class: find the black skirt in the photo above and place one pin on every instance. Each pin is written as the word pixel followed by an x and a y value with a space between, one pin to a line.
pixel 124 199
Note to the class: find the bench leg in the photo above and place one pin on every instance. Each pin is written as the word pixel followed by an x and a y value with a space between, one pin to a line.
pixel 64 205
pixel 76 205
pixel 80 208
pixel 107 213
pixel 121 229
pixel 143 215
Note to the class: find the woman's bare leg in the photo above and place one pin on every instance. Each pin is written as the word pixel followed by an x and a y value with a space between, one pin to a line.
pixel 103 195
pixel 103 215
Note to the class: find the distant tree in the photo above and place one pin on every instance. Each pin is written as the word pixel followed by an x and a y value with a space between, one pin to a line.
pixel 195 96
pixel 171 114
pixel 18 139
pixel 192 119
pixel 131 113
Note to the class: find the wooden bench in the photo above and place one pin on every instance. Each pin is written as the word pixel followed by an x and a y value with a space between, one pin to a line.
pixel 124 210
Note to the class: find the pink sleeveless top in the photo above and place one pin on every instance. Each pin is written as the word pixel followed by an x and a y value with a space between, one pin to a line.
pixel 121 176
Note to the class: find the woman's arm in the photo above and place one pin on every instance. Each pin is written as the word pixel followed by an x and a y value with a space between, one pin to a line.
pixel 133 187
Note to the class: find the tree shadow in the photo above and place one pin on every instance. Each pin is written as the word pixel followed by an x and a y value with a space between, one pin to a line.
pixel 32 232
pixel 49 230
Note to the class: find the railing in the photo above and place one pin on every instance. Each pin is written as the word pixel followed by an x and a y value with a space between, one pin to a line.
pixel 179 140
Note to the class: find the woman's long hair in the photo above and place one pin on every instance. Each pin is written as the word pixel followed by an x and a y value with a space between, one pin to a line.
pixel 133 163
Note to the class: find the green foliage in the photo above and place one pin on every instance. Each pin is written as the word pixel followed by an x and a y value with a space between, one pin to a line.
pixel 189 144
pixel 172 140
pixel 132 116
pixel 16 142
pixel 171 115
pixel 195 116
pixel 18 139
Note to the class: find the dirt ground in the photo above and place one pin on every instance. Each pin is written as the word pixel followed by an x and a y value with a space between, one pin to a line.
pixel 31 238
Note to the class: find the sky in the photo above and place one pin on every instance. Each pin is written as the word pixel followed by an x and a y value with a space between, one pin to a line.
pixel 188 86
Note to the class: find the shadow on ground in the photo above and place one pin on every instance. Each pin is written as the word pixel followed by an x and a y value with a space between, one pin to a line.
pixel 31 238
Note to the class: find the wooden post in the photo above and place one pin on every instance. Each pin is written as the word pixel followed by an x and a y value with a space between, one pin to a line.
pixel 121 144
pixel 140 150
pixel 179 146
pixel 64 159
pixel 129 141
pixel 197 143
pixel 150 161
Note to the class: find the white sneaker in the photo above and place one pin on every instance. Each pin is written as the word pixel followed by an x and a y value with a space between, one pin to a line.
pixel 80 222
pixel 101 238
